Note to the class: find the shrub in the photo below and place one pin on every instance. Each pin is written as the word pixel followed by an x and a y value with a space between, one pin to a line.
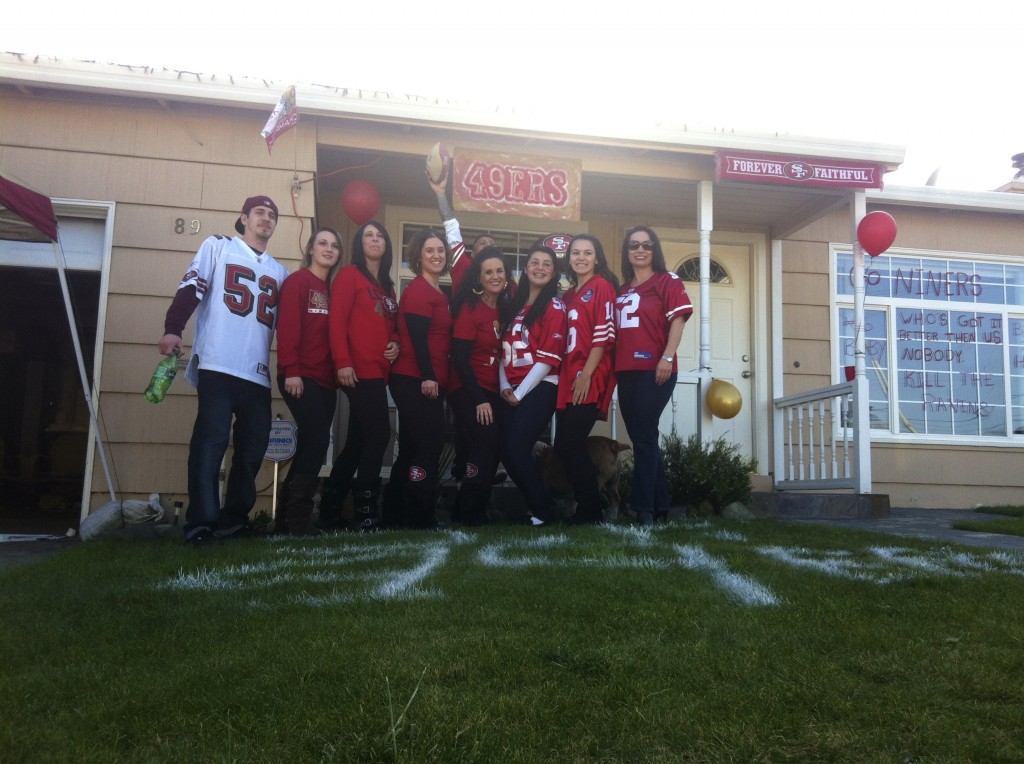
pixel 714 471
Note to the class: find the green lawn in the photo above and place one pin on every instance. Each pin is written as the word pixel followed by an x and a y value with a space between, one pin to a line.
pixel 1012 524
pixel 709 641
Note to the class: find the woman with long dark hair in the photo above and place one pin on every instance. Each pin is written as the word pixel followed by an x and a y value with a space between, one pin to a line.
pixel 305 372
pixel 651 309
pixel 476 356
pixel 587 375
pixel 364 344
pixel 533 343
pixel 418 381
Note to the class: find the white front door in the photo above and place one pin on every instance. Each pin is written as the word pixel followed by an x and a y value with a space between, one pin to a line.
pixel 731 339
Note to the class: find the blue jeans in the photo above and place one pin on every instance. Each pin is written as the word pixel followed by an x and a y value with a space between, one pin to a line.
pixel 222 398
pixel 641 401
pixel 520 427
pixel 574 425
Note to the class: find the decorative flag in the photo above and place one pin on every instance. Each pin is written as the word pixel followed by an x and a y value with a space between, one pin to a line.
pixel 284 117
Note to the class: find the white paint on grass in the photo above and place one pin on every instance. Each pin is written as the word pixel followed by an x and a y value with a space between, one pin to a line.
pixel 743 588
pixel 379 569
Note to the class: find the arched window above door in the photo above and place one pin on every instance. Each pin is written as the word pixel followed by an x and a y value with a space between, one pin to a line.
pixel 690 271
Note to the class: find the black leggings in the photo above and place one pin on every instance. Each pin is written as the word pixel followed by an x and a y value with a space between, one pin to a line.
pixel 484 440
pixel 313 413
pixel 369 430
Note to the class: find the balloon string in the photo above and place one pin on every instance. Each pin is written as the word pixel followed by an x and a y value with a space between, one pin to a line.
pixel 343 169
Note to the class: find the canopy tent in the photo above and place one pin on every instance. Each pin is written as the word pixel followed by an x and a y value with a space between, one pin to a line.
pixel 26 215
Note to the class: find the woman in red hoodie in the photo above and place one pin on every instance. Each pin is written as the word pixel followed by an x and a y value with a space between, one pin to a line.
pixel 364 344
pixel 305 372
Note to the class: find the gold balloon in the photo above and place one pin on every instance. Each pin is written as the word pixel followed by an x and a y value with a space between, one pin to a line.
pixel 724 399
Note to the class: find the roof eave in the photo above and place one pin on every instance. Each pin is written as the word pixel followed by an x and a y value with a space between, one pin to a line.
pixel 246 92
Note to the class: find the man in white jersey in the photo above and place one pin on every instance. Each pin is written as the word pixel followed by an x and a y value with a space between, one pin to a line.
pixel 232 286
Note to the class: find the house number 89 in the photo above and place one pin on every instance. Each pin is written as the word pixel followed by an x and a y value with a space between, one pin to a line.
pixel 180 226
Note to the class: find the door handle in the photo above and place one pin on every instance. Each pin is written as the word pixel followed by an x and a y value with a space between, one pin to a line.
pixel 747 374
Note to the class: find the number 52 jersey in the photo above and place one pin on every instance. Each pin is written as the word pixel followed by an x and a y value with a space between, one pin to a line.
pixel 238 291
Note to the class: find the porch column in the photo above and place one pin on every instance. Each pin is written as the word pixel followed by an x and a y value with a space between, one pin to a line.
pixel 860 387
pixel 705 224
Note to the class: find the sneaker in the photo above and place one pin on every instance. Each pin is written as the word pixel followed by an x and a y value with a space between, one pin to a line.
pixel 202 538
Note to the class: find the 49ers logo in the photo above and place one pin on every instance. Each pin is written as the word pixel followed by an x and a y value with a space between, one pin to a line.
pixel 471 470
pixel 417 474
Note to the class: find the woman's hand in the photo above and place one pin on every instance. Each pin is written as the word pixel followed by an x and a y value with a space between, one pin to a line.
pixel 429 388
pixel 580 388
pixel 347 377
pixel 392 350
pixel 293 386
pixel 485 414
pixel 663 372
pixel 509 396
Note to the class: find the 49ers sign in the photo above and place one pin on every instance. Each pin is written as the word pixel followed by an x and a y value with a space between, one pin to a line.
pixel 516 184
pixel 797 171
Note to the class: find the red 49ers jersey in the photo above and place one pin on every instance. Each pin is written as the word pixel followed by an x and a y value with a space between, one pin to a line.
pixel 544 342
pixel 591 312
pixel 644 313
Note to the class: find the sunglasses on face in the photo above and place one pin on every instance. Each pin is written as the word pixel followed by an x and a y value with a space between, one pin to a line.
pixel 646 246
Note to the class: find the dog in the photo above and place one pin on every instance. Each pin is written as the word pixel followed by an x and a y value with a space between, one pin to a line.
pixel 604 453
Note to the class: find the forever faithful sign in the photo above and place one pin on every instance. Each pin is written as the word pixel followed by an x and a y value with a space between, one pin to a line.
pixel 796 171
pixel 517 184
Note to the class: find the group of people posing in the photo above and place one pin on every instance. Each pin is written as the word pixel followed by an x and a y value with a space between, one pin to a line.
pixel 505 356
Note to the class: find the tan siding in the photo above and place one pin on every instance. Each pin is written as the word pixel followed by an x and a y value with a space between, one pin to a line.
pixel 947 476
pixel 802 357
pixel 804 257
pixel 805 322
pixel 144 129
pixel 805 289
pixel 162 469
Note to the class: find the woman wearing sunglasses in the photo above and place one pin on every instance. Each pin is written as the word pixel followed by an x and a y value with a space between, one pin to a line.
pixel 651 309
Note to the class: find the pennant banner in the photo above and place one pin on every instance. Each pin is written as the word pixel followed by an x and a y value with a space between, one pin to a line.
pixel 284 117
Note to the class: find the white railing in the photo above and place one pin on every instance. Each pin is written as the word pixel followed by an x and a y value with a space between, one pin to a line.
pixel 816 439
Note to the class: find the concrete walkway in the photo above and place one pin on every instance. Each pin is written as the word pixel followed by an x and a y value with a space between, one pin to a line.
pixel 929 524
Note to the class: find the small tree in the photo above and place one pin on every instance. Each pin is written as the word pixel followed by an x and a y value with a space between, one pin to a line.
pixel 714 471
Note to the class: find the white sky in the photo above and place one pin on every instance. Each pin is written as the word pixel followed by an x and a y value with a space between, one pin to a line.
pixel 941 79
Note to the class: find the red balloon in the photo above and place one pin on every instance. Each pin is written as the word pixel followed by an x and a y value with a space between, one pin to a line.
pixel 876 232
pixel 361 200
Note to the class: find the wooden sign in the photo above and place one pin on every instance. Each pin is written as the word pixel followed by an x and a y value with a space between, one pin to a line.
pixel 516 184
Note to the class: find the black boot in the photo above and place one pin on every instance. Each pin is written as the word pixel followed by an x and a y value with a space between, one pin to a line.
pixel 394 502
pixel 300 505
pixel 422 502
pixel 366 504
pixel 331 501
pixel 474 499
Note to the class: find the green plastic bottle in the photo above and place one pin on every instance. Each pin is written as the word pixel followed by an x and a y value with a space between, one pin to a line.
pixel 163 375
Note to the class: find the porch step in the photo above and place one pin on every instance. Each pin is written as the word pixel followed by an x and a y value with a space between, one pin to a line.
pixel 806 505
